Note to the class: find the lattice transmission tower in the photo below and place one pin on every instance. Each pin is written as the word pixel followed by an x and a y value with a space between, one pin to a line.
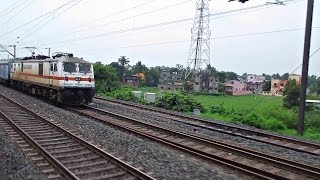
pixel 199 53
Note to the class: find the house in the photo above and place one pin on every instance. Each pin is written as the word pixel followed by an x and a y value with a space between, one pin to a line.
pixel 134 80
pixel 170 80
pixel 236 88
pixel 167 76
pixel 205 82
pixel 255 83
pixel 295 77
pixel 277 86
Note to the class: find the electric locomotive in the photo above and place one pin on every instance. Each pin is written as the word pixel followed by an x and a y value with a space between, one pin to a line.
pixel 62 78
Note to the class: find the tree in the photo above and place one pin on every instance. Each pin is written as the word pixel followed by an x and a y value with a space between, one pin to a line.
pixel 221 76
pixel 276 76
pixel 285 76
pixel 152 76
pixel 268 77
pixel 123 61
pixel 118 69
pixel 106 77
pixel 232 76
pixel 291 95
pixel 139 68
pixel 267 86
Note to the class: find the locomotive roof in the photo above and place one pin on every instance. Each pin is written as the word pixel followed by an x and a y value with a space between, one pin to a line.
pixel 59 59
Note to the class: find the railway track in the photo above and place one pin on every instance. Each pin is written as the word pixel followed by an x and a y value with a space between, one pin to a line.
pixel 269 138
pixel 251 162
pixel 62 154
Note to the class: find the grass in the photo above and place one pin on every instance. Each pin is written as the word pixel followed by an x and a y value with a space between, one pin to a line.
pixel 265 112
pixel 250 102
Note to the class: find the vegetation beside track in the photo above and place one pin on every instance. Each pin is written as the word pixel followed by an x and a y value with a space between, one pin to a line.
pixel 264 112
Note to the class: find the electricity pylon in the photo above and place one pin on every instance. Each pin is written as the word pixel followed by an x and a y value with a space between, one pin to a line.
pixel 199 53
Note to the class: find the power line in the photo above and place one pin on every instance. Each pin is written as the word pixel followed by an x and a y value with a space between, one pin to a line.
pixel 242 10
pixel 221 37
pixel 50 20
pixel 126 18
pixel 46 14
pixel 19 11
pixel 315 52
pixel 118 12
pixel 12 7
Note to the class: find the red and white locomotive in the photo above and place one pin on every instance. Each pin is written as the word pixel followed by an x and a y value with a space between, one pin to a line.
pixel 64 78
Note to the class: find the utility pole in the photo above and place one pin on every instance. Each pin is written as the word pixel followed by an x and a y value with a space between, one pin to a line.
pixel 49 53
pixel 305 67
pixel 14 51
pixel 7 51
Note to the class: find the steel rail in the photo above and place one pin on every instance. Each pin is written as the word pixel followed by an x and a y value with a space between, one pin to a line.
pixel 289 165
pixel 59 166
pixel 228 129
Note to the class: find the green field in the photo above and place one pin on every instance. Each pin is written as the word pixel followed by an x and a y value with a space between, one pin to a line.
pixel 265 112
pixel 241 102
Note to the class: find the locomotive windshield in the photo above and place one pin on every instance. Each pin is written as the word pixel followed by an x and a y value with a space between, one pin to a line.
pixel 84 68
pixel 69 67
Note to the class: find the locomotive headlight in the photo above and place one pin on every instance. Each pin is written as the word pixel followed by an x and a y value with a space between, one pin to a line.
pixel 66 78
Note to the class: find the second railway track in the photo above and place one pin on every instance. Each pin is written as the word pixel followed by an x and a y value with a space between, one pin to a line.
pixel 260 136
pixel 70 156
pixel 248 161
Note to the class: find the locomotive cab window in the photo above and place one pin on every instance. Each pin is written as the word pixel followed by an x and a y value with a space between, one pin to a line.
pixel 51 67
pixel 69 67
pixel 84 68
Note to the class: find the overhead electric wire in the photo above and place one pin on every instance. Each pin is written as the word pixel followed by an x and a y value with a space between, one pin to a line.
pixel 50 20
pixel 12 7
pixel 216 14
pixel 118 12
pixel 35 19
pixel 126 18
pixel 167 23
pixel 315 52
pixel 19 11
pixel 219 37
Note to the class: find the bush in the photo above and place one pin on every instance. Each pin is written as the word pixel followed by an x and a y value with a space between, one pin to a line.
pixel 178 102
pixel 218 109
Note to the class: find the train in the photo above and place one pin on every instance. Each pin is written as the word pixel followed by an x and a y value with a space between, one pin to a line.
pixel 64 79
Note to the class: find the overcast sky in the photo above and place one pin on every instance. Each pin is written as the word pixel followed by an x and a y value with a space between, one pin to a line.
pixel 100 30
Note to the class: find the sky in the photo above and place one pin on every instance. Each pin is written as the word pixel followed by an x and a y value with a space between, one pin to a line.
pixel 267 40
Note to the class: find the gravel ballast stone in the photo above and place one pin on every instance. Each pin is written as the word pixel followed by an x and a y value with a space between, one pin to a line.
pixel 166 121
pixel 14 164
pixel 162 161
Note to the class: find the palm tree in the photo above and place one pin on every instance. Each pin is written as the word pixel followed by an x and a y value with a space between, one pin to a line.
pixel 123 61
